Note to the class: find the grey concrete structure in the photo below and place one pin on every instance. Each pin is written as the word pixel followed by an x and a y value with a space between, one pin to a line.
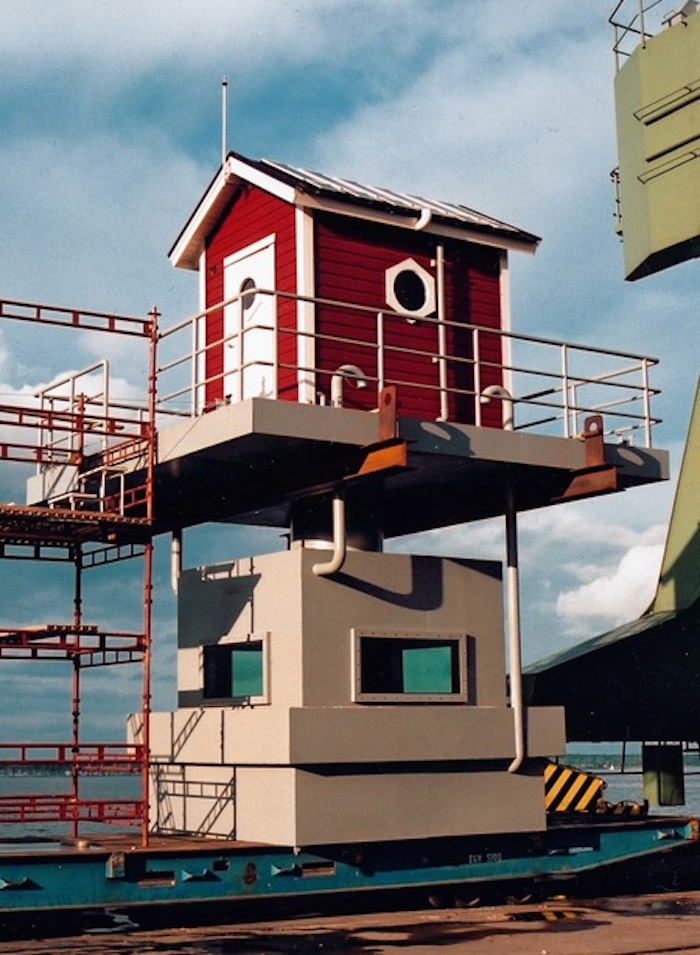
pixel 313 759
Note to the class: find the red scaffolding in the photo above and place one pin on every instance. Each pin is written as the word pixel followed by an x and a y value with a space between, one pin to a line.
pixel 94 483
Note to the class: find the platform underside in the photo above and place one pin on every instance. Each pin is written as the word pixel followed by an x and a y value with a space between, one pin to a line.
pixel 242 463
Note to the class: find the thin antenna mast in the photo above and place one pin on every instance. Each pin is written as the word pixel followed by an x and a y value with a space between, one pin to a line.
pixel 224 119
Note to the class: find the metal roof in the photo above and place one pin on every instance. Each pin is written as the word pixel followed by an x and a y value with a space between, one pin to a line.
pixel 347 190
pixel 649 621
pixel 638 682
pixel 303 187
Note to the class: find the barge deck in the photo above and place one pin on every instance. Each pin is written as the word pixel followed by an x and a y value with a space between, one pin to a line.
pixel 112 872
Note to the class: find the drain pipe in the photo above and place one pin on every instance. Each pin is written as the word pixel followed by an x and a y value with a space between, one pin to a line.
pixel 345 371
pixel 176 560
pixel 340 543
pixel 424 219
pixel 498 391
pixel 512 591
pixel 514 636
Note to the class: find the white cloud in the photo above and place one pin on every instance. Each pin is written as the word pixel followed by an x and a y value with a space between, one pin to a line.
pixel 619 595
pixel 596 523
pixel 133 37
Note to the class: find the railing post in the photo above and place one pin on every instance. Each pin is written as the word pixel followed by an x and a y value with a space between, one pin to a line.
pixel 275 331
pixel 380 352
pixel 565 389
pixel 194 366
pixel 76 435
pixel 646 398
pixel 477 377
pixel 105 402
pixel 442 333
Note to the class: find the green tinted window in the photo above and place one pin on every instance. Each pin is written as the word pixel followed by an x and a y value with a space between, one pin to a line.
pixel 234 671
pixel 247 670
pixel 428 670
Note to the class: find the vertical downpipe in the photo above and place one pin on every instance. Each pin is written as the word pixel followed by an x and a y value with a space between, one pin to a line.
pixel 514 641
pixel 339 540
pixel 175 559
pixel 512 591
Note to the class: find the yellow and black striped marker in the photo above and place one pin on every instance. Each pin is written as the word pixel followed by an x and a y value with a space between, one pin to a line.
pixel 570 790
pixel 627 808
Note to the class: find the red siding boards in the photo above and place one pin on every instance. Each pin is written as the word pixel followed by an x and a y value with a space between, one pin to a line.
pixel 351 261
pixel 473 297
pixel 252 215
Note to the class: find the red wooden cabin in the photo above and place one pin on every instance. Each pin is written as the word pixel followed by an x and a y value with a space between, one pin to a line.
pixel 322 290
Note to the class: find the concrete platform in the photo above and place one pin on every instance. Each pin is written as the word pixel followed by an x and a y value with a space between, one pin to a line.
pixel 244 462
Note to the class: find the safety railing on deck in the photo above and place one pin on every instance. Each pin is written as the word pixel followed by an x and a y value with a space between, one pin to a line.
pixel 84 438
pixel 92 757
pixel 553 385
pixel 36 808
pixel 636 21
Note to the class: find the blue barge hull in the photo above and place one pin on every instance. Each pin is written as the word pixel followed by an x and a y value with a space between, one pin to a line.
pixel 111 872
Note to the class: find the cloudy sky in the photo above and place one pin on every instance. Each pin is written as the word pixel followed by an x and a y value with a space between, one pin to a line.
pixel 110 118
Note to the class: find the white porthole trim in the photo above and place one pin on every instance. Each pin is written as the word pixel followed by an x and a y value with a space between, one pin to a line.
pixel 422 299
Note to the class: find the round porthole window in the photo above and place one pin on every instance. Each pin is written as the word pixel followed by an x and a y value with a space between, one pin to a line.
pixel 410 289
pixel 247 294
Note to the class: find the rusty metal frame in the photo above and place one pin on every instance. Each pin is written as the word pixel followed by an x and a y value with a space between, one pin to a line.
pixel 91 531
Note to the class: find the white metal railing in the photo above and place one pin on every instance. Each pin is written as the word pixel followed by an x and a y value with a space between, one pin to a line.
pixel 553 385
pixel 77 417
pixel 66 399
pixel 636 21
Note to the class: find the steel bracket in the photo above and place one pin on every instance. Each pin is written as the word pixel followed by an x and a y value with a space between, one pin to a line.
pixel 388 455
pixel 596 477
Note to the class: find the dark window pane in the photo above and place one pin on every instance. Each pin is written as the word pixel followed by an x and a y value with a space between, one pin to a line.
pixel 247 296
pixel 233 671
pixel 409 290
pixel 392 665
